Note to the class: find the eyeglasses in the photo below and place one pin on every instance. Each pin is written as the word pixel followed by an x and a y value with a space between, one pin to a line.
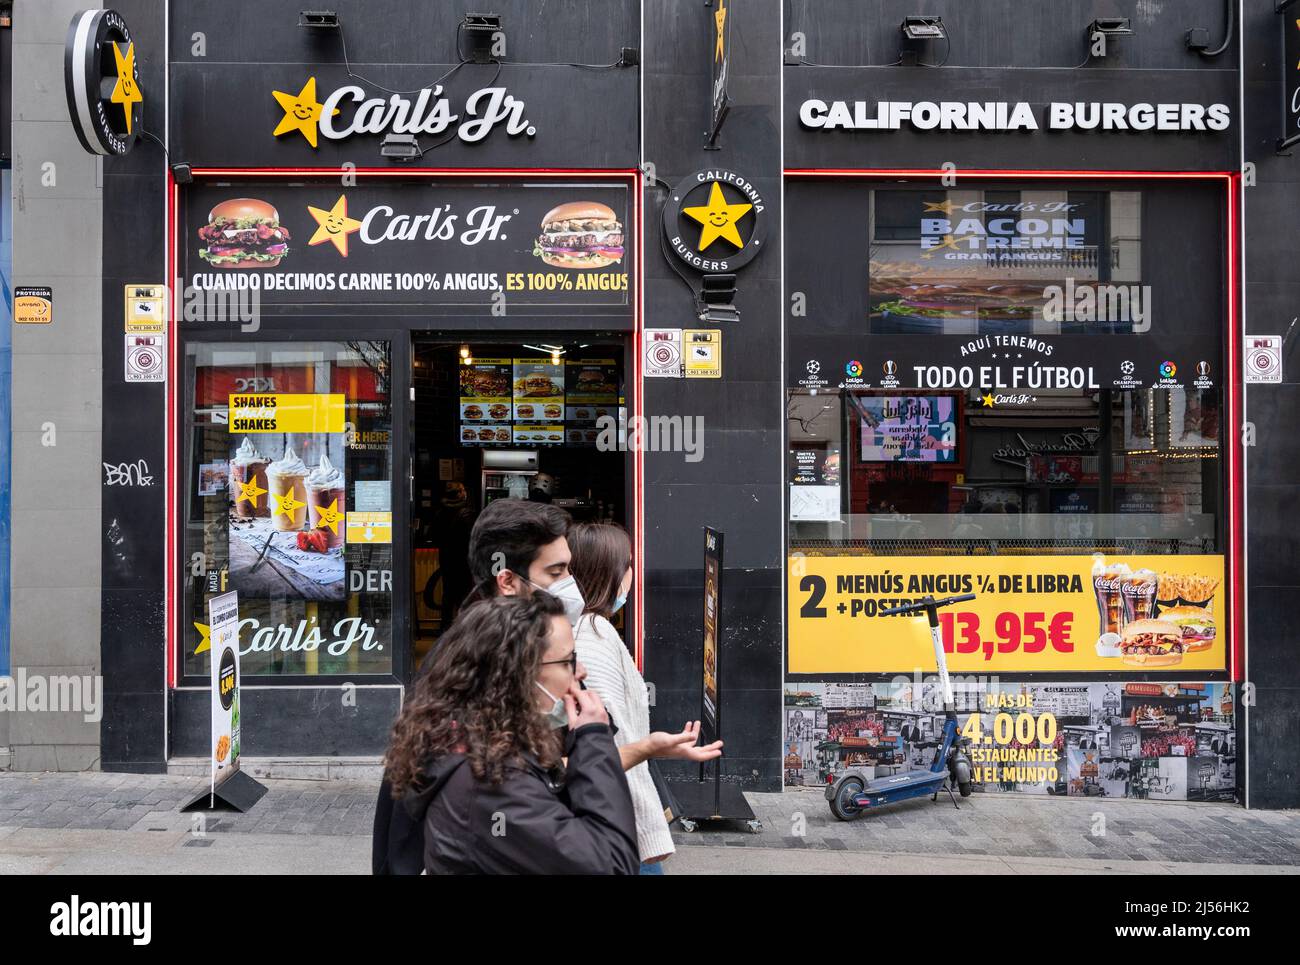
pixel 571 660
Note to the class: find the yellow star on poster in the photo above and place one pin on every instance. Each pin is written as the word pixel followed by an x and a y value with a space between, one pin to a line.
pixel 286 504
pixel 718 217
pixel 205 639
pixel 720 18
pixel 946 206
pixel 988 401
pixel 251 490
pixel 126 91
pixel 949 241
pixel 330 516
pixel 335 225
pixel 301 111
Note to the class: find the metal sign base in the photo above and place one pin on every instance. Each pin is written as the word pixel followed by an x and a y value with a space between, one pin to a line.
pixel 238 792
pixel 696 801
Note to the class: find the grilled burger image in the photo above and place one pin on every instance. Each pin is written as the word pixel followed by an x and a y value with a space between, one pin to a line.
pixel 1152 643
pixel 580 234
pixel 1195 623
pixel 473 412
pixel 244 233
pixel 992 302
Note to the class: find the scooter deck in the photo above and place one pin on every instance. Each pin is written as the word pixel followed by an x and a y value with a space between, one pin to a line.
pixel 901 787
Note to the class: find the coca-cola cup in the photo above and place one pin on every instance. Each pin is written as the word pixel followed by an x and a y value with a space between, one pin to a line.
pixel 1139 593
pixel 1107 582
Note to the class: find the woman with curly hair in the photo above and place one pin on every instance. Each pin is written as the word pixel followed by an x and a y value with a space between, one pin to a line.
pixel 478 751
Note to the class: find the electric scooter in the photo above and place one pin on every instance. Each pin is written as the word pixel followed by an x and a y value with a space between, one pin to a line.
pixel 853 793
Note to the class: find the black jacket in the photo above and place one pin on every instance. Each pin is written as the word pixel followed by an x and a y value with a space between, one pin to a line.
pixel 397 842
pixel 530 823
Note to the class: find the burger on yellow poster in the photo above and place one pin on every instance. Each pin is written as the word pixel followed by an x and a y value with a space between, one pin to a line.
pixel 1100 614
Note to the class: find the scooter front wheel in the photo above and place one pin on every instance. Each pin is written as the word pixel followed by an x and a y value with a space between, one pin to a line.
pixel 842 805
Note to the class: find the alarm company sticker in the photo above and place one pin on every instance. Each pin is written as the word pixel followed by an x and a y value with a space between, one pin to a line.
pixel 663 353
pixel 1263 358
pixel 145 358
pixel 146 309
pixel 33 305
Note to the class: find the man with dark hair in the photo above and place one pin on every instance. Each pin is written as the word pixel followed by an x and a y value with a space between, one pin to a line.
pixel 515 542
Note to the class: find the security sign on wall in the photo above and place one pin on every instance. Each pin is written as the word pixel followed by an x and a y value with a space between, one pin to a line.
pixel 102 82
pixel 714 221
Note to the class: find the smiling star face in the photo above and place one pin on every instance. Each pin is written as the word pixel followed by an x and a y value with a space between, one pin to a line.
pixel 334 225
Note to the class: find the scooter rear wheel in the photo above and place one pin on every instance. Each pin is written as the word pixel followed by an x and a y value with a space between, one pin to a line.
pixel 842 805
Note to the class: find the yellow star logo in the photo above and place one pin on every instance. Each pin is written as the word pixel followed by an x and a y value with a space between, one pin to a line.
pixel 335 225
pixel 718 217
pixel 301 111
pixel 250 490
pixel 330 516
pixel 720 18
pixel 126 91
pixel 949 241
pixel 946 206
pixel 205 639
pixel 988 401
pixel 286 504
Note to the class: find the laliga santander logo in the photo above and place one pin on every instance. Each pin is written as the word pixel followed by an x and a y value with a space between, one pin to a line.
pixel 853 369
pixel 429 113
pixel 1168 370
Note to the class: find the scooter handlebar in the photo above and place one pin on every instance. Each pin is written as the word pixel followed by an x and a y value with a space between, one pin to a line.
pixel 923 606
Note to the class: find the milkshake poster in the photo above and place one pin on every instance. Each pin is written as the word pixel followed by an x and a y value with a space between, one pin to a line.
pixel 288 495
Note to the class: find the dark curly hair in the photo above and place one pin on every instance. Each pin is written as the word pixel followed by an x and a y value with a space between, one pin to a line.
pixel 477 695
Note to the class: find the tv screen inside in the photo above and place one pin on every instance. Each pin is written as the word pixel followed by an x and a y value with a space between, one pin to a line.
pixel 908 428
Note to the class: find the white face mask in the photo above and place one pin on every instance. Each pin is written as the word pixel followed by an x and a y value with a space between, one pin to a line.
pixel 557 716
pixel 567 592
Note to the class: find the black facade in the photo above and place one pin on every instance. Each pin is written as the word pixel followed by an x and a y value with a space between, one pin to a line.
pixel 594 115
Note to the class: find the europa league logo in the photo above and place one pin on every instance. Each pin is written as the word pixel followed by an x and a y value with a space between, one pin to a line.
pixel 890 368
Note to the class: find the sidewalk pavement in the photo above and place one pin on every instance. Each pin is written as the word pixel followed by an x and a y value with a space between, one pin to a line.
pixel 91 823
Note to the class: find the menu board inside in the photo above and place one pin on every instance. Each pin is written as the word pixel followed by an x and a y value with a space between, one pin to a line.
pixel 537 401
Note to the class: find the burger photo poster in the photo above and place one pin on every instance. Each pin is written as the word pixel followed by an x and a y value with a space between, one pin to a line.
pixel 554 244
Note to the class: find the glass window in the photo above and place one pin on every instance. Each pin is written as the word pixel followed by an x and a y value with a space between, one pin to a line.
pixel 287 499
pixel 979 262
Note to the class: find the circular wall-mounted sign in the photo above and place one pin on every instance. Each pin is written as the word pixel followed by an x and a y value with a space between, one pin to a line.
pixel 715 222
pixel 102 82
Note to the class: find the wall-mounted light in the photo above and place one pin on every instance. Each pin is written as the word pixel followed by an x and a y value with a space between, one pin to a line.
pixel 324 19
pixel 1110 27
pixel 923 28
pixel 464 351
pixel 481 33
pixel 400 147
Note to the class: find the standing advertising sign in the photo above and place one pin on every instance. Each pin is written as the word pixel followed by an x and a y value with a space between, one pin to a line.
pixel 712 633
pixel 226 783
pixel 711 799
pixel 223 624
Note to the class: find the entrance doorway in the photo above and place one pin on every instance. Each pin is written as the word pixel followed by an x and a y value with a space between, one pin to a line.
pixel 525 416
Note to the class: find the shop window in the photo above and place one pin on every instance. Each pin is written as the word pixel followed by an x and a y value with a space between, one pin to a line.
pixel 286 498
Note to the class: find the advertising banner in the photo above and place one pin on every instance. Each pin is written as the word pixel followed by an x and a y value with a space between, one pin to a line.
pixel 1173 741
pixel 550 247
pixel 289 496
pixel 223 629
pixel 1078 614
pixel 712 631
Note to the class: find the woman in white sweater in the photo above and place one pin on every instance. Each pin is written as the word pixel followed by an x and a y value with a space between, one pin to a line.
pixel 602 568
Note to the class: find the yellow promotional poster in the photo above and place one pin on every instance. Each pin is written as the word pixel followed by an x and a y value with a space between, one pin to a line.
pixel 1092 614
pixel 365 528
pixel 286 413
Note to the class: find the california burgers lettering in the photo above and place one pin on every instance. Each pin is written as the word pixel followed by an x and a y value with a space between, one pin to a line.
pixel 715 220
pixel 102 82
pixel 1002 116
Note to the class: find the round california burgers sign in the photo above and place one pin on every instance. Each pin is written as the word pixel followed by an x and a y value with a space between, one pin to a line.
pixel 102 82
